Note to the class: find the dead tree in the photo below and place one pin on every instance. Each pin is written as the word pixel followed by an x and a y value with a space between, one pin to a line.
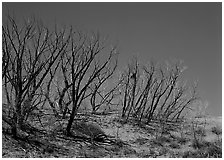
pixel 161 96
pixel 50 90
pixel 169 96
pixel 126 89
pixel 29 51
pixel 134 79
pixel 143 98
pixel 131 86
pixel 81 65
pixel 101 93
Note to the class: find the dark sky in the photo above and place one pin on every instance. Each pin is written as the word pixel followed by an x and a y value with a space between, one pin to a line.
pixel 191 32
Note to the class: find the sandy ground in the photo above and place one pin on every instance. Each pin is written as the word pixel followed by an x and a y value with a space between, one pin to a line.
pixel 139 141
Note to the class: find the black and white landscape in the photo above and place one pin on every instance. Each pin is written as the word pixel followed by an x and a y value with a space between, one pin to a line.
pixel 111 80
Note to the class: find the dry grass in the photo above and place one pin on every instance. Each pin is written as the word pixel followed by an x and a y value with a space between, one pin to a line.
pixel 189 140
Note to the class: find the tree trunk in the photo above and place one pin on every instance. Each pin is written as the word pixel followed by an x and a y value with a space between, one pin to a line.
pixel 71 119
pixel 14 126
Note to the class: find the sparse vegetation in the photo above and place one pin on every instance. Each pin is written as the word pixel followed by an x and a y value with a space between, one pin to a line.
pixel 59 86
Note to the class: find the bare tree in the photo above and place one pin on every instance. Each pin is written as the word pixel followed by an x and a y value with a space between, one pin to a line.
pixel 161 96
pixel 126 88
pixel 132 88
pixel 101 92
pixel 143 98
pixel 29 52
pixel 178 96
pixel 82 65
pixel 50 89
